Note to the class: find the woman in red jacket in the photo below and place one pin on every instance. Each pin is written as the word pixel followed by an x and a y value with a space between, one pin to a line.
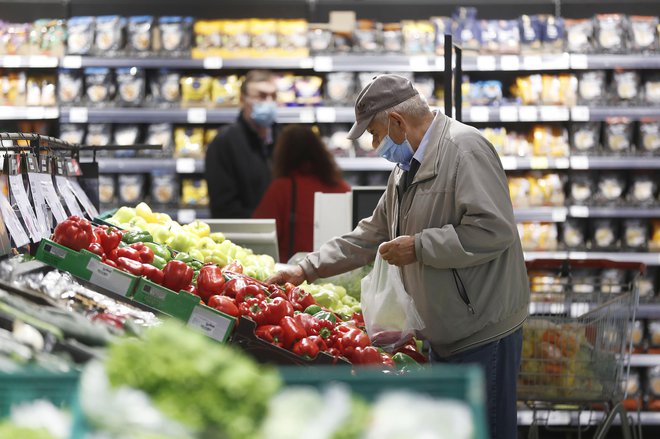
pixel 302 165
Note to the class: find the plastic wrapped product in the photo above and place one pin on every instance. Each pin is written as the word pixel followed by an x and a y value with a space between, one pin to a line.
pixel 109 34
pixel 466 30
pixel 642 35
pixel 98 134
pixel 642 189
pixel 591 87
pixel 286 88
pixel 553 33
pixel 605 234
pixel 189 142
pixel 637 336
pixel 165 87
pixel 131 188
pixel 99 85
pixel 550 141
pixel 340 87
pixel 654 343
pixel 131 86
pixel 649 136
pixel 538 236
pixel 164 188
pixel 489 41
pixel 342 42
pixel 520 192
pixel 645 286
pixel 367 36
pixel 584 280
pixel 195 90
pixel 174 38
pixel 236 35
pixel 613 281
pixel 579 35
pixel 339 145
pixel 107 190
pixel 653 388
pixel 654 243
pixel 80 39
pixel 140 34
pixel 226 91
pixel 585 137
pixel 626 87
pixel 508 36
pixel 194 192
pixel 442 27
pixel 498 138
pixel 207 34
pixel 263 34
pixel 559 90
pixel 582 188
pixel 425 84
pixel 531 33
pixel 610 32
pixel 126 135
pixel 418 37
pixel 635 234
pixel 308 90
pixel 618 136
pixel 651 90
pixel 160 134
pixel 633 390
pixel 484 93
pixel 393 38
pixel 70 86
pixel 48 96
pixel 320 38
pixel 528 89
pixel 72 133
pixel 293 35
pixel 611 187
pixel 47 37
pixel 574 233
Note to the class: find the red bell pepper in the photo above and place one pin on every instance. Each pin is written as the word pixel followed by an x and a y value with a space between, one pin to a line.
pixel 130 266
pixel 251 307
pixel 410 348
pixel 275 310
pixel 347 338
pixel 129 253
pixel 271 333
pixel 250 290
pixel 292 331
pixel 74 232
pixel 314 326
pixel 96 248
pixel 233 286
pixel 152 273
pixel 110 262
pixel 210 281
pixel 234 267
pixel 275 291
pixel 112 255
pixel 192 289
pixel 224 304
pixel 177 275
pixel 386 360
pixel 145 253
pixel 108 237
pixel 305 348
pixel 366 355
pixel 300 299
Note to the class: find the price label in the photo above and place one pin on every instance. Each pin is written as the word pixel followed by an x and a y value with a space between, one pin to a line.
pixel 553 113
pixel 209 323
pixel 559 418
pixel 12 61
pixel 539 163
pixel 326 115
pixel 78 115
pixel 580 113
pixel 418 63
pixel 55 251
pixel 510 62
pixel 528 114
pixel 51 113
pixel 36 113
pixel 12 223
pixel 157 293
pixel 579 62
pixel 578 255
pixel 562 163
pixel 580 162
pixel 323 64
pixel 51 197
pixel 559 215
pixel 109 278
pixel 186 216
pixel 306 63
pixel 509 163
pixel 42 61
pixel 40 206
pixel 23 202
pixel 83 198
pixel 212 63
pixel 72 62
pixel 532 62
pixel 486 63
pixel 196 115
pixel 479 114
pixel 508 114
pixel 307 116
pixel 579 211
pixel 185 166
pixel 66 193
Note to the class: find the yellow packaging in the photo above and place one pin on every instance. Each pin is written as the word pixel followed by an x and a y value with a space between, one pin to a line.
pixel 207 34
pixel 189 142
pixel 292 36
pixel 194 192
pixel 263 34
pixel 209 135
pixel 550 141
pixel 226 90
pixel 235 37
pixel 195 89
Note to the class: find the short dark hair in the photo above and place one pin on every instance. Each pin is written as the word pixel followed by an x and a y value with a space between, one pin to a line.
pixel 299 147
pixel 255 76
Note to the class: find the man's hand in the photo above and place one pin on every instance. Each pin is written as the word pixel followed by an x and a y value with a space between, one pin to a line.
pixel 399 251
pixel 295 275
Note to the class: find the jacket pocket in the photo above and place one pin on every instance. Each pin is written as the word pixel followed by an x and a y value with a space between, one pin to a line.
pixel 462 291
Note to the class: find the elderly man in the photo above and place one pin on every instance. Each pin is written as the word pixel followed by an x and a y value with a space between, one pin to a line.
pixel 446 220
pixel 238 159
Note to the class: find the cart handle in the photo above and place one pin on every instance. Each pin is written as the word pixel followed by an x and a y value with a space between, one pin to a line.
pixel 584 263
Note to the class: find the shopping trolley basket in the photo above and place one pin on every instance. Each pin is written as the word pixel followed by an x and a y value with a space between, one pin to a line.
pixel 576 341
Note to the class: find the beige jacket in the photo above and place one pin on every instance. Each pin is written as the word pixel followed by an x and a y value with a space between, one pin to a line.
pixel 459 210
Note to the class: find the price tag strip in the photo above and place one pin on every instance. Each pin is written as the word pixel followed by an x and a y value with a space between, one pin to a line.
pixel 209 323
pixel 51 197
pixel 12 222
pixel 44 218
pixel 109 278
pixel 66 193
pixel 80 194
pixel 29 218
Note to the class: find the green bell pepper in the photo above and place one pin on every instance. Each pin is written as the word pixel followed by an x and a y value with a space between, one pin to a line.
pixel 195 265
pixel 405 363
pixel 159 262
pixel 159 250
pixel 183 257
pixel 313 309
pixel 325 315
pixel 137 236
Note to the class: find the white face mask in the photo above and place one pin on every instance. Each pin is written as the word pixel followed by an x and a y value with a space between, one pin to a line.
pixel 400 153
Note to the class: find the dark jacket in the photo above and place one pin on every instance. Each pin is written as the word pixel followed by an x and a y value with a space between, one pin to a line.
pixel 237 170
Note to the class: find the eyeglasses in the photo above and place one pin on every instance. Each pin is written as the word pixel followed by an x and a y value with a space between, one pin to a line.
pixel 263 96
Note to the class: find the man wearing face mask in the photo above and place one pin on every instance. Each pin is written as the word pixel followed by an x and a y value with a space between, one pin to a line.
pixel 446 220
pixel 238 159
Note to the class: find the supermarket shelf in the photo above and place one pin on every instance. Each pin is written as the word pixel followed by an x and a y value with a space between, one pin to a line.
pixel 32 113
pixel 511 163
pixel 139 165
pixel 364 164
pixel 645 360
pixel 602 61
pixel 648 310
pixel 531 255
pixel 645 258
pixel 613 212
pixel 622 162
pixel 31 61
pixel 211 63
pixel 575 418
pixel 148 115
pixel 635 113
pixel 546 214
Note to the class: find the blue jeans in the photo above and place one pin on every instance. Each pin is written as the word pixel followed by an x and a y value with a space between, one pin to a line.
pixel 500 361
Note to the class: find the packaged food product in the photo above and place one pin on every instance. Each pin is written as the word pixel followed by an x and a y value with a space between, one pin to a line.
pixel 194 192
pixel 47 37
pixel 210 134
pixel 579 35
pixel 425 85
pixel 642 35
pixel 613 281
pixel 653 388
pixel 263 34
pixel 140 34
pixel 632 389
pixel 559 90
pixel 635 234
pixel 393 38
pixel 320 38
pixel 80 37
pixel 528 89
pixel 160 134
pixel 98 134
pixel 611 187
pixel 637 336
pixel 585 137
pixel 48 96
pixel 654 243
pixel 32 92
pixel 189 142
pixel 174 32
pixel 517 144
pixel 644 284
pixel 605 233
pixel 573 234
pixel 308 90
pixel 126 135
pixel 13 88
pixel 484 92
pixel 338 143
pixel 626 86
pixel 519 190
pixel 164 188
pixel 651 90
pixel 340 87
pixel 72 133
pixel 610 32
pixel 584 280
pixel 106 188
pixel 553 33
pixel 226 90
pixel 364 147
pixel 538 236
pixel 654 342
pixel 195 90
pixel 208 36
pixel 498 138
pixel 131 86
pixel 109 34
pixel 99 85
pixel 165 88
pixel 131 188
pixel 642 189
pixel 293 36
pixel 70 86
pixel 582 188
pixel 531 33
pixel 591 87
pixel 618 136
pixel 489 40
pixel 367 36
pixel 550 141
pixel 418 37
pixel 286 88
pixel 236 36
pixel 466 30
pixel 442 27
pixel 649 136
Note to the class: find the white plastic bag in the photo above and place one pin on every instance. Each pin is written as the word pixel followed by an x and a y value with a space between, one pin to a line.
pixel 389 312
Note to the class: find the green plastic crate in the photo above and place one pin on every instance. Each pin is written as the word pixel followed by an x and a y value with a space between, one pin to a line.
pixel 464 383
pixel 31 384
pixel 102 218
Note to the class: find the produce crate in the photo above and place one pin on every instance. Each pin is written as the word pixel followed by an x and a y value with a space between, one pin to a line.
pixel 464 383
pixel 102 218
pixel 266 352
pixel 186 307
pixel 30 384
pixel 87 266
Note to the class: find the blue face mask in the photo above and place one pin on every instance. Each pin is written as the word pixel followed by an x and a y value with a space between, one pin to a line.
pixel 401 153
pixel 263 113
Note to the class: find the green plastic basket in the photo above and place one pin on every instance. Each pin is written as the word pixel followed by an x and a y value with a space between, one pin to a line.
pixel 31 384
pixel 464 383
pixel 102 218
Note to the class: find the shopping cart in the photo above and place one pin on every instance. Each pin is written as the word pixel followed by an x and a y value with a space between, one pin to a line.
pixel 576 341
